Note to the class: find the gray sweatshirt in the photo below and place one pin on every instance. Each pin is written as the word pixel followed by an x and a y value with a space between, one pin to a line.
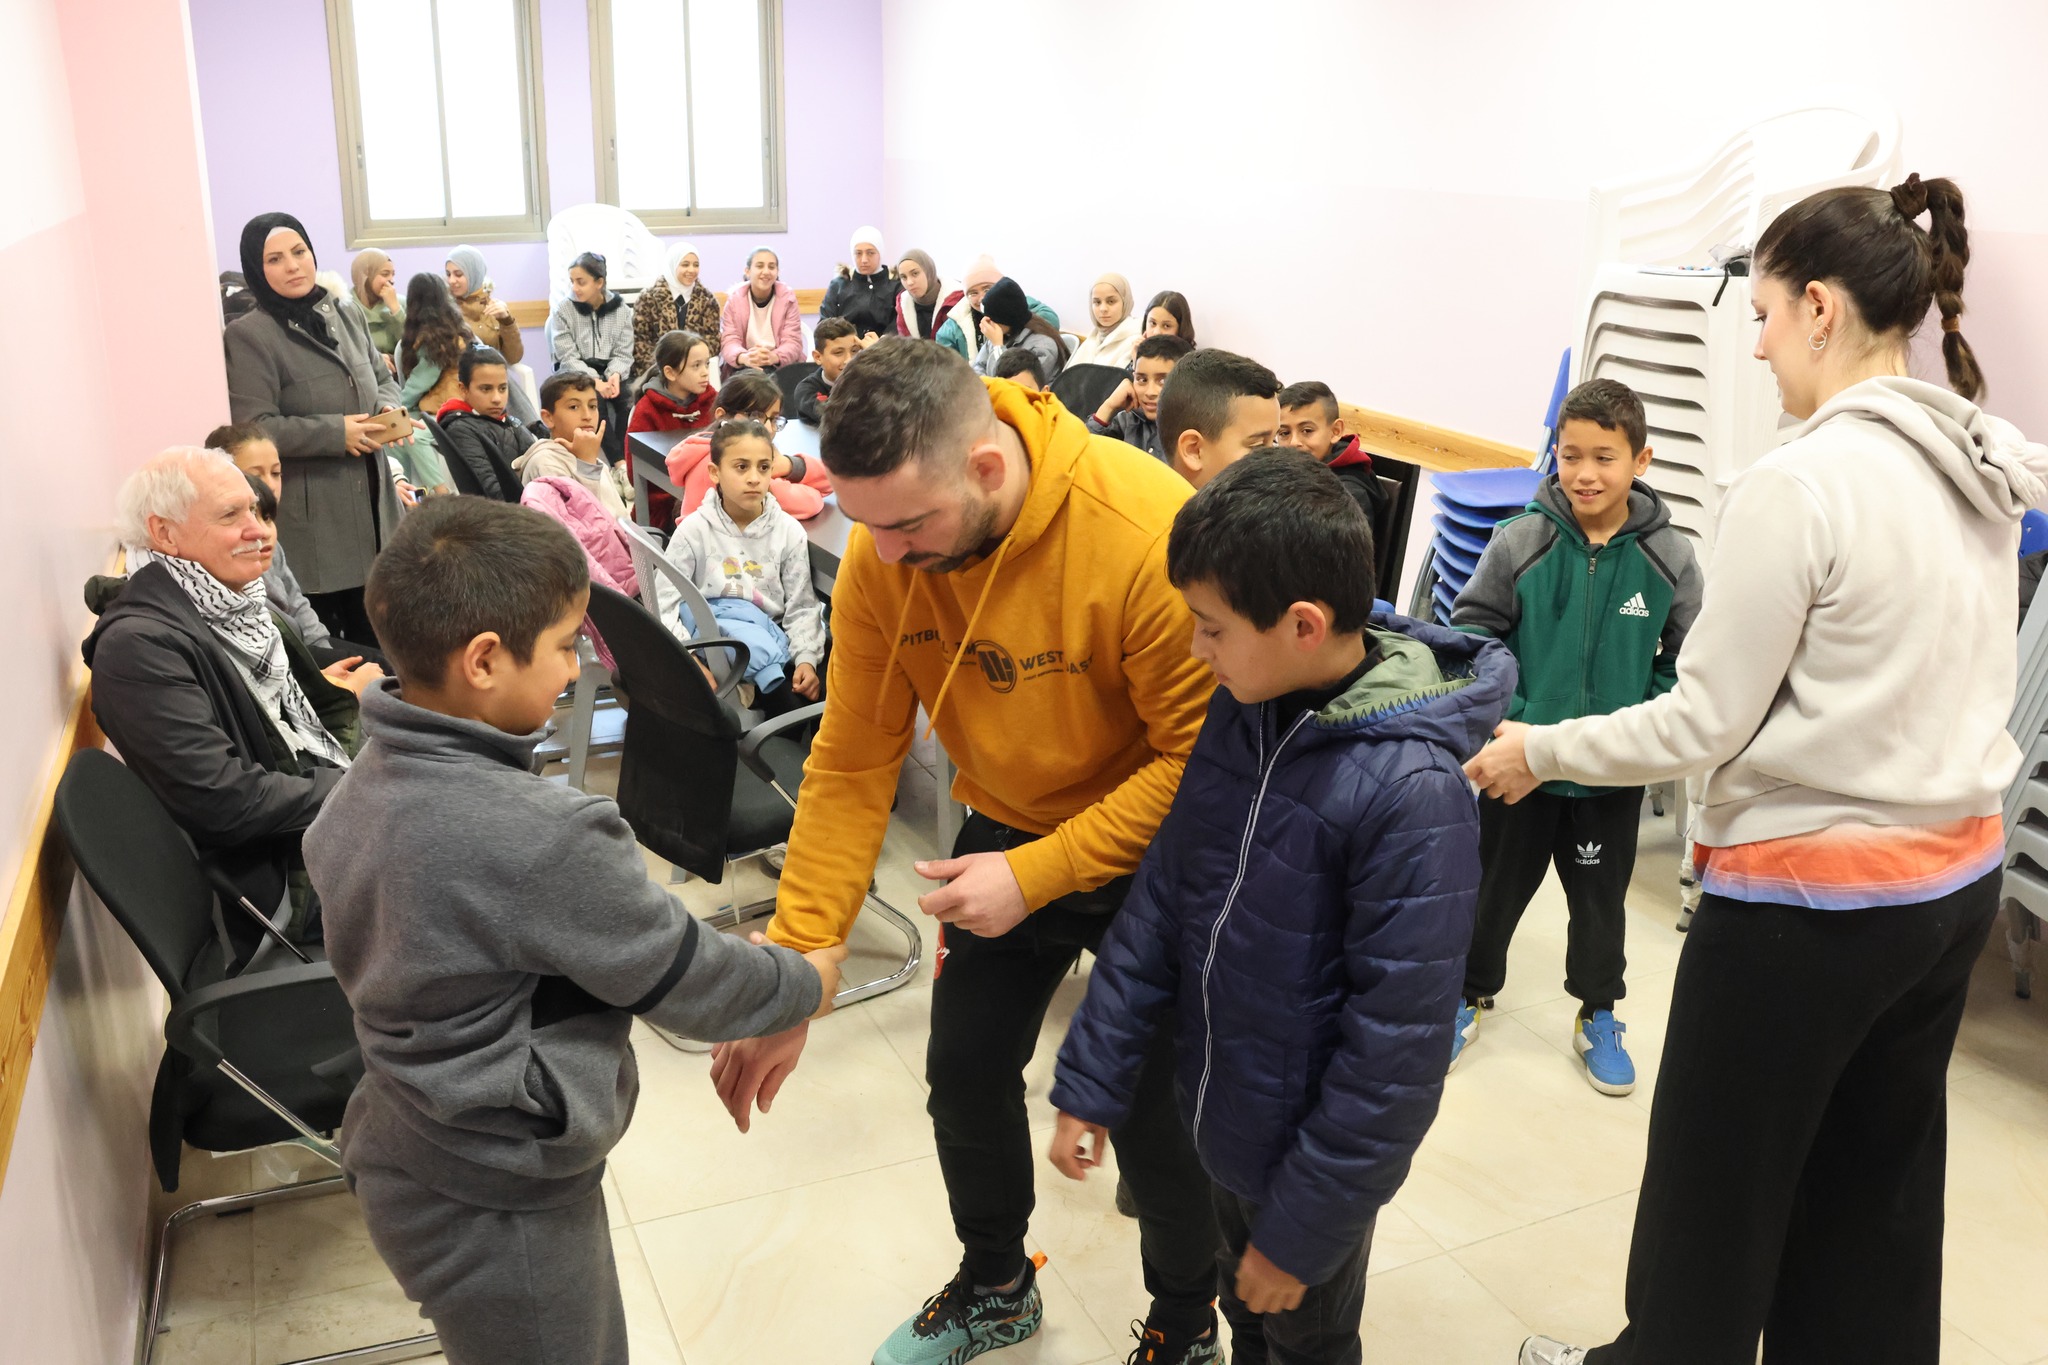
pixel 495 933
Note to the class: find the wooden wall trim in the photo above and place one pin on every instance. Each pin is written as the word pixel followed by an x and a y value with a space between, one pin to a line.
pixel 534 312
pixel 34 918
pixel 1438 449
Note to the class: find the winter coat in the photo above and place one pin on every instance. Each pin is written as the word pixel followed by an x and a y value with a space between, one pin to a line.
pixel 962 328
pixel 489 448
pixel 1352 465
pixel 1046 348
pixel 766 563
pixel 553 459
pixel 1113 347
pixel 605 546
pixel 336 508
pixel 782 314
pixel 1305 910
pixel 655 313
pixel 950 297
pixel 1592 629
pixel 167 694
pixel 1131 427
pixel 598 341
pixel 813 392
pixel 502 337
pixel 866 301
pixel 660 410
pixel 424 389
pixel 385 324
pixel 802 495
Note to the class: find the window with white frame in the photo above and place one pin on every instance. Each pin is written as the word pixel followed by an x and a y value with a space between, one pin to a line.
pixel 689 111
pixel 439 117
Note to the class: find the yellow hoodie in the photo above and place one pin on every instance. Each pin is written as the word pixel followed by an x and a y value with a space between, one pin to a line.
pixel 1072 706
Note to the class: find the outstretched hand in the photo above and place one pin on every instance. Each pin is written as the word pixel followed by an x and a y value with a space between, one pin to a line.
pixel 980 894
pixel 752 1070
pixel 1501 769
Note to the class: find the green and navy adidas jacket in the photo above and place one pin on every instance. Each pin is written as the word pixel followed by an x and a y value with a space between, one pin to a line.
pixel 1593 628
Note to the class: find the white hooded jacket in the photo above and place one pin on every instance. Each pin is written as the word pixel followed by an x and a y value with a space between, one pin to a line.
pixel 1854 659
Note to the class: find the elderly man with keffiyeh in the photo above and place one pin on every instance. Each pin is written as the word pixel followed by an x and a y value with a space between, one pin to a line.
pixel 207 694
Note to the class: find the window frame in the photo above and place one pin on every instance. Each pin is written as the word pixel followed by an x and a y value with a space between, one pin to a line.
pixel 774 216
pixel 359 228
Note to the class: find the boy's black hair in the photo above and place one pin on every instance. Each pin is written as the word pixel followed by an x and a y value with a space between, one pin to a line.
pixel 1016 360
pixel 1162 346
pixel 1198 394
pixel 1610 405
pixel 232 436
pixel 457 567
pixel 750 393
pixel 591 264
pixel 736 428
pixel 479 355
pixel 564 381
pixel 1307 391
pixel 1276 528
pixel 830 330
pixel 266 501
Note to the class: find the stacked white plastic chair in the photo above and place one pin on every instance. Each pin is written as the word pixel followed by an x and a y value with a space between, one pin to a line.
pixel 2026 802
pixel 634 257
pixel 1650 316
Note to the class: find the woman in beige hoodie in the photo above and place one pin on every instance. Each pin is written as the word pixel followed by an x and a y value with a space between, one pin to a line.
pixel 1845 692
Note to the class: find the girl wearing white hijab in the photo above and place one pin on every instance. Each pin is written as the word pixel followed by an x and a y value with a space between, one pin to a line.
pixel 865 292
pixel 1116 324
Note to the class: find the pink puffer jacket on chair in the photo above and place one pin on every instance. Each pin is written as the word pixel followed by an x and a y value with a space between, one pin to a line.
pixel 605 547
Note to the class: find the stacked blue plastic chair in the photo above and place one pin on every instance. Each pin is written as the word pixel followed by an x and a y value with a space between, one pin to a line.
pixel 1471 504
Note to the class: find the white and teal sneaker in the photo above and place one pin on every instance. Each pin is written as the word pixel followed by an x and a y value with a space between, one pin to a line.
pixel 1547 1351
pixel 956 1324
pixel 1598 1042
pixel 1467 1032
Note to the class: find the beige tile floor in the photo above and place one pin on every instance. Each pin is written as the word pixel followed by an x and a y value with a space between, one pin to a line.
pixel 809 1239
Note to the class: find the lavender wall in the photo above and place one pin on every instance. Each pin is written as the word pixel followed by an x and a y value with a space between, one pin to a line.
pixel 267 109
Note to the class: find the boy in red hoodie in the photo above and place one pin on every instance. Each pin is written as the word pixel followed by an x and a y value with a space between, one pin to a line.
pixel 799 486
pixel 1309 420
pixel 679 397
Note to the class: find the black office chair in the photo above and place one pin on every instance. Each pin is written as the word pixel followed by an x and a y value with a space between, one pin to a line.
pixel 251 1059
pixel 1082 389
pixel 698 787
pixel 787 377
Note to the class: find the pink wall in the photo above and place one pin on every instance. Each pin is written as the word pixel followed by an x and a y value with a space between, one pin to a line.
pixel 270 135
pixel 106 197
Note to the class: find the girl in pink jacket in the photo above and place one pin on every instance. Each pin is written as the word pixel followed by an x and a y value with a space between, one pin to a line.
pixel 759 328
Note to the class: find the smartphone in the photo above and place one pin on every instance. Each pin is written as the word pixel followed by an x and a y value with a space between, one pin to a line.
pixel 390 426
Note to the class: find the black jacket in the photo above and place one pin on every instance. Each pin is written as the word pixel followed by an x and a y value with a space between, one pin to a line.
pixel 813 391
pixel 487 447
pixel 866 301
pixel 167 695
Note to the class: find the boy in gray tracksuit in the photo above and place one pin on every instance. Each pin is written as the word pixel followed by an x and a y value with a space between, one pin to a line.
pixel 495 934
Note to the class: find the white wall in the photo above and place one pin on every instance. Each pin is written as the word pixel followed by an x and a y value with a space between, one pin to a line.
pixel 1391 196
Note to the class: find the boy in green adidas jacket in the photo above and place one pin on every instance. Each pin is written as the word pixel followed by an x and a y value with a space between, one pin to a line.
pixel 1593 590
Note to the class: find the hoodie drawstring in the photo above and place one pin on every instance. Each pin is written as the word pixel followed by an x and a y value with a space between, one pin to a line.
pixel 966 636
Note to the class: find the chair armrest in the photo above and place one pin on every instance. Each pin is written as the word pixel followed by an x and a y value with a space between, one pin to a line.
pixel 182 1031
pixel 739 664
pixel 752 740
pixel 273 927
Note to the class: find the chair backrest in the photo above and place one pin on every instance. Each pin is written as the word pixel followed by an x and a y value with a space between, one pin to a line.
pixel 1082 389
pixel 681 748
pixel 634 257
pixel 459 473
pixel 139 863
pixel 787 378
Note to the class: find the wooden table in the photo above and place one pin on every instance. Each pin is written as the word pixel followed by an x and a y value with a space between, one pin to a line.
pixel 827 532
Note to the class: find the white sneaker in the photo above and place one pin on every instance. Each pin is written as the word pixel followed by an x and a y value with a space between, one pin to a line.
pixel 772 859
pixel 1544 1351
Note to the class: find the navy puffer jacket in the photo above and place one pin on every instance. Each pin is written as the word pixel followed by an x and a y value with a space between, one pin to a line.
pixel 1306 909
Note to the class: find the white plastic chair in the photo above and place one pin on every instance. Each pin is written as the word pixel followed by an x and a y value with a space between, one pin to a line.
pixel 634 257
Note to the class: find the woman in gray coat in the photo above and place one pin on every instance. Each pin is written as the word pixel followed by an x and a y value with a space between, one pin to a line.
pixel 304 369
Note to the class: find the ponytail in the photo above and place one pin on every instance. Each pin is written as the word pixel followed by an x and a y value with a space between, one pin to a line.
pixel 1867 243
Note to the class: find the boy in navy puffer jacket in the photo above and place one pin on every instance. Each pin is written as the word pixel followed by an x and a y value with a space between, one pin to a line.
pixel 1302 917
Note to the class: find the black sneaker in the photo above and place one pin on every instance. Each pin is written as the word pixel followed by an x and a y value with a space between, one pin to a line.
pixel 1156 1347
pixel 956 1324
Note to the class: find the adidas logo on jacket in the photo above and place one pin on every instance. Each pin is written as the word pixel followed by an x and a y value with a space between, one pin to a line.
pixel 1593 628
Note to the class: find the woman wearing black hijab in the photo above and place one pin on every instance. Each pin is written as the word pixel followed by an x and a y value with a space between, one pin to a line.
pixel 304 369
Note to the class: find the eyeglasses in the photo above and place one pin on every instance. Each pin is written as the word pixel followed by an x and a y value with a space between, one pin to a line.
pixel 778 424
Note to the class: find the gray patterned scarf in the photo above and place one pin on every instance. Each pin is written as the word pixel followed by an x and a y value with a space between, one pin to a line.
pixel 243 623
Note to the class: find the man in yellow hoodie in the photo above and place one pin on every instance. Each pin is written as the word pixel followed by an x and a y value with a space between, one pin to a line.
pixel 1009 574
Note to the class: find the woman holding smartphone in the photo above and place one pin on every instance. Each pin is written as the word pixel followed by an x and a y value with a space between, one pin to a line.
pixel 305 370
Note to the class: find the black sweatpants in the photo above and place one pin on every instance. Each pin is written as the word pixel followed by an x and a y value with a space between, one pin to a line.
pixel 1799 1136
pixel 1592 842
pixel 341 611
pixel 1322 1331
pixel 988 1002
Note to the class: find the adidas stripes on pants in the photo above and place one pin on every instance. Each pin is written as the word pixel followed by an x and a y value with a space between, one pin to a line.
pixel 1592 842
